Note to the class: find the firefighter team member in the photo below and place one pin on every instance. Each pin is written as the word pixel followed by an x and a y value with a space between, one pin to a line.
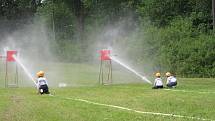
pixel 158 82
pixel 171 81
pixel 42 84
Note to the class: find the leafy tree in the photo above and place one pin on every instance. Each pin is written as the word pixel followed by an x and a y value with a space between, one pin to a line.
pixel 15 14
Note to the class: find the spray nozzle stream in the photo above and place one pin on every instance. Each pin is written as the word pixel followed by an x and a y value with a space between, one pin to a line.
pixel 24 68
pixel 130 69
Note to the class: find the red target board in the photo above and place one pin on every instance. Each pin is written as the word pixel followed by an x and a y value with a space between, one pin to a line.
pixel 105 54
pixel 10 55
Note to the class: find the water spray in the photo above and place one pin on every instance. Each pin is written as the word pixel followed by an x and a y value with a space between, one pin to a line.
pixel 106 56
pixel 130 69
pixel 5 50
pixel 11 56
pixel 24 68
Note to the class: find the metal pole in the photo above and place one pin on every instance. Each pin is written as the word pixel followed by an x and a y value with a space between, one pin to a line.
pixel 111 72
pixel 6 78
pixel 16 76
pixel 100 72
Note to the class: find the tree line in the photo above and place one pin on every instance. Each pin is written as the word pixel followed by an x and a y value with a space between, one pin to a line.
pixel 173 35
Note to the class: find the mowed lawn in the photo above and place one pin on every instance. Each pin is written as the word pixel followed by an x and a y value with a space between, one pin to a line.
pixel 84 99
pixel 192 98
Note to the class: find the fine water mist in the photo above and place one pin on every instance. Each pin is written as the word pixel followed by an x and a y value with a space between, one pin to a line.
pixel 33 45
pixel 37 51
pixel 120 37
pixel 130 69
pixel 25 69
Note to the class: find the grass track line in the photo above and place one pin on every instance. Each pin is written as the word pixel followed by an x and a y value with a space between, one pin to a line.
pixel 190 91
pixel 137 111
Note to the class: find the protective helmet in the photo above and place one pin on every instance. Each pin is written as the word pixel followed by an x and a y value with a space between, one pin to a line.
pixel 168 74
pixel 40 73
pixel 158 74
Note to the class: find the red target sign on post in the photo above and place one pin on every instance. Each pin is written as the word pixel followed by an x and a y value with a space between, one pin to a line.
pixel 10 55
pixel 11 75
pixel 105 67
pixel 105 54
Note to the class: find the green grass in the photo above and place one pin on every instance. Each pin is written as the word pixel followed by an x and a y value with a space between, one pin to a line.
pixel 23 104
pixel 71 74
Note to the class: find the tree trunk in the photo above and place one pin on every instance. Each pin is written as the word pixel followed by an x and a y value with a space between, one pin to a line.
pixel 79 13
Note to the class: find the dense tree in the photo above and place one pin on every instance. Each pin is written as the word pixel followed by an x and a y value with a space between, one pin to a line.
pixel 16 13
pixel 167 35
pixel 162 12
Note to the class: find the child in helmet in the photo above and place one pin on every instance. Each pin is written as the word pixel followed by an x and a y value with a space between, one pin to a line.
pixel 42 84
pixel 158 82
pixel 171 81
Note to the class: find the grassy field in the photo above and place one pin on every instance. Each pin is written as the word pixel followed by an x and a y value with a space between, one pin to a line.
pixel 22 104
pixel 193 98
pixel 71 74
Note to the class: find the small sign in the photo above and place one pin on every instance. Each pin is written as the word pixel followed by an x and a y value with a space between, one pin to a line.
pixel 105 54
pixel 10 55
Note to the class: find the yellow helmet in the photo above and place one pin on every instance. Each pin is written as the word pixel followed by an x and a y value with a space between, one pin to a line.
pixel 168 74
pixel 40 73
pixel 158 74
